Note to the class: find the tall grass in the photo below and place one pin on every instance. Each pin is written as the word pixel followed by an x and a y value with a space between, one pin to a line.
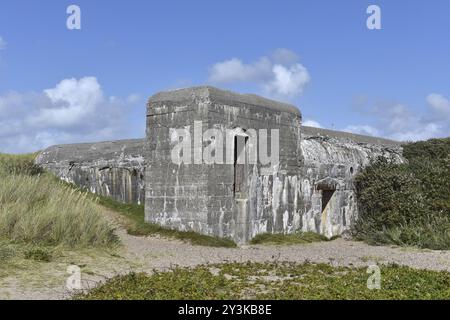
pixel 19 164
pixel 36 209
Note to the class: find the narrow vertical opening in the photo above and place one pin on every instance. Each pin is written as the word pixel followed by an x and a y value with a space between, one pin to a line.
pixel 240 161
pixel 235 153
pixel 326 197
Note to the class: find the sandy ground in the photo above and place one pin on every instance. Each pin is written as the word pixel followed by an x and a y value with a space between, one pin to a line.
pixel 38 280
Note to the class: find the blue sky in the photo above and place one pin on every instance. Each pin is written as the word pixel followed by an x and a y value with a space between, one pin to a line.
pixel 319 55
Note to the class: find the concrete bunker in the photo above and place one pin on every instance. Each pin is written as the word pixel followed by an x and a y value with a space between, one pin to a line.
pixel 310 188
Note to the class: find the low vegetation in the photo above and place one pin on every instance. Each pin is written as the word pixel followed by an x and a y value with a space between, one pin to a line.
pixel 274 281
pixel 6 252
pixel 38 254
pixel 287 239
pixel 34 209
pixel 407 204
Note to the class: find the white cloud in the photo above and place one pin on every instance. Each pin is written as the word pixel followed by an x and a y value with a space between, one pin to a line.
pixel 400 122
pixel 288 82
pixel 423 132
pixel 279 76
pixel 74 110
pixel 71 102
pixel 234 70
pixel 440 105
pixel 311 123
pixel 2 44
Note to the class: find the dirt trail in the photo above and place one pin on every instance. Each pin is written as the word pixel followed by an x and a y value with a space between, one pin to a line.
pixel 48 280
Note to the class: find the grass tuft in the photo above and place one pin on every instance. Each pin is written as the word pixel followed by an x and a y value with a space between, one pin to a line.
pixel 283 239
pixel 38 254
pixel 6 253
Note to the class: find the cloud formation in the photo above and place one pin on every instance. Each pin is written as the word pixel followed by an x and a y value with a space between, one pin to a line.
pixel 439 105
pixel 399 122
pixel 74 110
pixel 279 76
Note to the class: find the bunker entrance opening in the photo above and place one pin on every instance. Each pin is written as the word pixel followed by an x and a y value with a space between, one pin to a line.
pixel 326 197
pixel 240 166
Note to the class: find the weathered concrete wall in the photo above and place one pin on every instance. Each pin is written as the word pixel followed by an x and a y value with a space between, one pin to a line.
pixel 202 197
pixel 114 169
pixel 331 160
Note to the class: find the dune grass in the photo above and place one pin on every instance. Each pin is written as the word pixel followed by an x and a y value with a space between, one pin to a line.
pixel 34 209
pixel 279 281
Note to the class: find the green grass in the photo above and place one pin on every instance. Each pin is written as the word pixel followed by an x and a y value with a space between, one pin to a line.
pixel 35 209
pixel 19 164
pixel 38 254
pixel 135 225
pixel 287 281
pixel 286 239
pixel 7 252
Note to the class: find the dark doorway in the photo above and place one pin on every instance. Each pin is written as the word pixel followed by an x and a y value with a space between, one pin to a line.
pixel 240 165
pixel 326 197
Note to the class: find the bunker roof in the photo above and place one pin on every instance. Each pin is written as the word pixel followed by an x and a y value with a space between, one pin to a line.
pixel 92 151
pixel 221 96
pixel 343 136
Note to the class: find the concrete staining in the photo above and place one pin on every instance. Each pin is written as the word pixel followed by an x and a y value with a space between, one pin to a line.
pixel 331 160
pixel 311 188
pixel 113 169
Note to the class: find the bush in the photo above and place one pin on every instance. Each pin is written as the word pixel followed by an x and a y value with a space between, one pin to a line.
pixel 407 204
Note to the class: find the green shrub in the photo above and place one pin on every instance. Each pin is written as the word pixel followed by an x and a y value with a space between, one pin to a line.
pixel 431 149
pixel 407 204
